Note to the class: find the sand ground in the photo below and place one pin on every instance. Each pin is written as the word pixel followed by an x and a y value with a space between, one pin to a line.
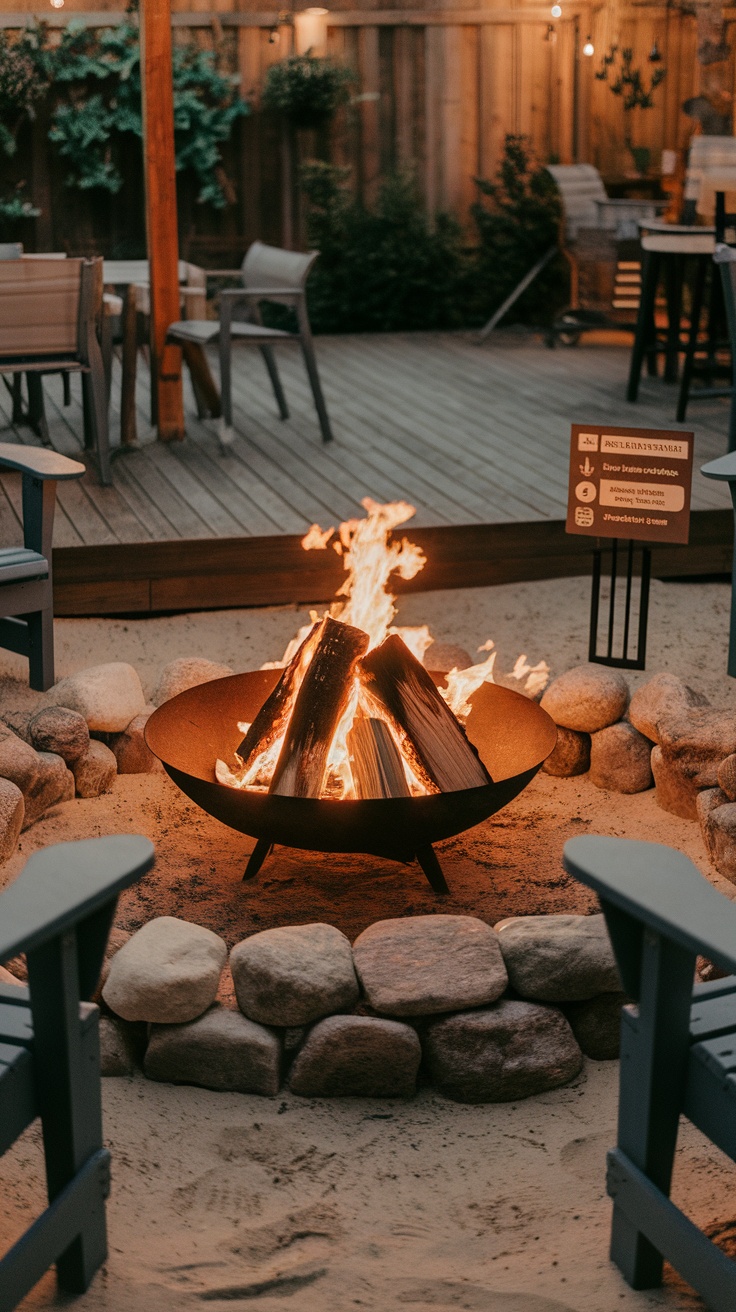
pixel 326 1206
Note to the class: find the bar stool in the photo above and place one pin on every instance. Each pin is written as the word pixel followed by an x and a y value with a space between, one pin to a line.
pixel 666 250
pixel 721 330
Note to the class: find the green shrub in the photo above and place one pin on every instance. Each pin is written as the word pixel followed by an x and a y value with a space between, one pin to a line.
pixel 380 269
pixel 307 89
pixel 517 221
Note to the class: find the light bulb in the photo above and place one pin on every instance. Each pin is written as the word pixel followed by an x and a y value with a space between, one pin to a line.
pixel 57 4
pixel 589 48
pixel 557 11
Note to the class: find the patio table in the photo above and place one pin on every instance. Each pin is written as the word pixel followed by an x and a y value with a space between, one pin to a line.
pixel 132 277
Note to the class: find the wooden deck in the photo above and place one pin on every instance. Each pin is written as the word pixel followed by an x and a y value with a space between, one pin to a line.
pixel 475 437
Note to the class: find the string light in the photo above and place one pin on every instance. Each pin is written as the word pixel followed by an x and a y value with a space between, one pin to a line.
pixel 57 4
pixel 557 11
pixel 589 48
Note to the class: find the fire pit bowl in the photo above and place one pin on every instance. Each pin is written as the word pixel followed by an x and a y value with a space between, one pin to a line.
pixel 189 733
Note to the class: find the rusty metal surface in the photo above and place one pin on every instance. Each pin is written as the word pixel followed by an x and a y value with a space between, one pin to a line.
pixel 512 734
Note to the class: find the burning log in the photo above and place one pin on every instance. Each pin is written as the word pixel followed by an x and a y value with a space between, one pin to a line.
pixel 270 722
pixel 375 760
pixel 432 739
pixel 322 698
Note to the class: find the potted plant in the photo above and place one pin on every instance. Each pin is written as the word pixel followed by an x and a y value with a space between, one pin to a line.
pixel 627 81
pixel 307 89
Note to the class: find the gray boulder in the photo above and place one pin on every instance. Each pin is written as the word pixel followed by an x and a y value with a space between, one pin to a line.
pixel 12 811
pixel 62 731
pixel 558 958
pixel 570 755
pixel 220 1050
pixel 108 696
pixel 19 721
pixel 501 1053
pixel 117 1047
pixel 620 759
pixel 168 972
pixel 596 1025
pixel 55 784
pixel 717 817
pixel 360 1056
pixel 726 777
pixel 294 974
pixel 445 656
pixel 664 695
pixel 697 741
pixel 587 698
pixel 421 965
pixel 132 753
pixel 676 791
pixel 96 771
pixel 186 672
pixel 18 761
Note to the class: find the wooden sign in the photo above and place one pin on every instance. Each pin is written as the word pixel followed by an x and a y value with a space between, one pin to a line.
pixel 630 483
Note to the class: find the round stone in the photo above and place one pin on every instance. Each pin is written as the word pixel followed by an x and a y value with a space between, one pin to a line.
pixel 620 759
pixel 663 695
pixel 108 696
pixel 558 958
pixel 96 771
pixel 186 672
pixel 421 965
pixel 570 755
pixel 445 656
pixel 12 809
pixel 727 777
pixel 18 761
pixel 357 1056
pixel 220 1050
pixel 62 731
pixel 168 972
pixel 294 974
pixel 587 698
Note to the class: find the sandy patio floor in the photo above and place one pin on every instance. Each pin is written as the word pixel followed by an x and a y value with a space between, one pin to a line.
pixel 326 1206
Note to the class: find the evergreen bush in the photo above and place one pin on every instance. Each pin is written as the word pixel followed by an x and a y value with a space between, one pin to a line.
pixel 306 89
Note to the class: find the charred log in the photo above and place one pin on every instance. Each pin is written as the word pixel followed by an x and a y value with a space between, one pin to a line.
pixel 431 737
pixel 302 764
pixel 270 722
pixel 375 760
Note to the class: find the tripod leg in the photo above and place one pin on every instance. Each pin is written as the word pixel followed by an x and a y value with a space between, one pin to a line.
pixel 427 858
pixel 262 849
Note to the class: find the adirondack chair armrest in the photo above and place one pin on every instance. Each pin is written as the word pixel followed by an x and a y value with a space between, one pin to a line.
pixel 658 889
pixel 286 295
pixel 40 462
pixel 66 884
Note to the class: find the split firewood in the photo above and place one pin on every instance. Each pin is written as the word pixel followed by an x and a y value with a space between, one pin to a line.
pixel 302 764
pixel 433 740
pixel 375 760
pixel 270 722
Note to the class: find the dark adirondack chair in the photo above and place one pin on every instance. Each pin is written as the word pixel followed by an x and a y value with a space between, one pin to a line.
pixel 678 1050
pixel 26 585
pixel 59 912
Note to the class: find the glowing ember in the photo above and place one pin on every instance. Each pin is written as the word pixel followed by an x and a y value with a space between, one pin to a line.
pixel 369 558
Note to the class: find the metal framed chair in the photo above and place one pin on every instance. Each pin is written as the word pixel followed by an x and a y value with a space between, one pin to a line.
pixel 678 1046
pixel 59 912
pixel 268 274
pixel 26 582
pixel 50 314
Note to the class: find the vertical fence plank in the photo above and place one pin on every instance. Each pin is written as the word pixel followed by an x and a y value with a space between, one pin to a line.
pixel 433 76
pixel 404 95
pixel 370 138
pixel 497 92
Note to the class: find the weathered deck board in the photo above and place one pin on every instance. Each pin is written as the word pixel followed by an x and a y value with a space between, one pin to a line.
pixel 471 435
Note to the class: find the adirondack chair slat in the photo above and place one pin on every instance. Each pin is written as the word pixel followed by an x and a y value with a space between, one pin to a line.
pixel 18 1101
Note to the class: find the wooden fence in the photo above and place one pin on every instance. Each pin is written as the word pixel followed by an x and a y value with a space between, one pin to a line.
pixel 436 92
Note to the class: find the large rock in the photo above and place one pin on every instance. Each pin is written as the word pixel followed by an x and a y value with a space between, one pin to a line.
pixel 221 1050
pixel 294 974
pixel 675 792
pixel 12 811
pixel 62 731
pixel 587 698
pixel 620 759
pixel 168 972
pixel 18 761
pixel 421 965
pixel 445 656
pixel 96 771
pixel 558 958
pixel 116 939
pixel 501 1053
pixel 117 1047
pixel 695 742
pixel 55 784
pixel 363 1056
pixel 19 721
pixel 108 696
pixel 717 816
pixel 186 672
pixel 132 753
pixel 726 777
pixel 596 1025
pixel 570 755
pixel 664 695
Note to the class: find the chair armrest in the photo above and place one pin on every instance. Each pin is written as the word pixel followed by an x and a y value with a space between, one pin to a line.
pixel 40 462
pixel 661 889
pixel 723 468
pixel 259 293
pixel 65 884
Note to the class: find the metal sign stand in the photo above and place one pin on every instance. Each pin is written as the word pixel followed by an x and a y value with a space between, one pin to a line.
pixel 621 580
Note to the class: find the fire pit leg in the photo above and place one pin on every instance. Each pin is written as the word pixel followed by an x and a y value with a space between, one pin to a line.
pixel 427 858
pixel 262 849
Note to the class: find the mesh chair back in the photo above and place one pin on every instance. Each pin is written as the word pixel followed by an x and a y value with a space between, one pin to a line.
pixel 267 267
pixel 39 307
pixel 581 187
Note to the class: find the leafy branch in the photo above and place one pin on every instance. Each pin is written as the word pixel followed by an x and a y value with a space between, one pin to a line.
pixel 625 80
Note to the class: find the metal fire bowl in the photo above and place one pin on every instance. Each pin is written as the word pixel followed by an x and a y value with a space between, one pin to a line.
pixel 189 733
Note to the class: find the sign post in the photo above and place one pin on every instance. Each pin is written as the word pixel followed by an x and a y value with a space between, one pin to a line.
pixel 631 484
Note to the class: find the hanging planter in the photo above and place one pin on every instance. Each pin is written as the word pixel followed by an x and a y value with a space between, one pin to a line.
pixel 306 89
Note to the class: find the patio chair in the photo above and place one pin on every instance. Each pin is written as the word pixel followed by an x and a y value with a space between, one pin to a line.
pixel 678 1050
pixel 59 912
pixel 26 585
pixel 50 311
pixel 268 274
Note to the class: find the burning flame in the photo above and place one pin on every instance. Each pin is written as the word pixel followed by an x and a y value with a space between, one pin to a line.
pixel 369 559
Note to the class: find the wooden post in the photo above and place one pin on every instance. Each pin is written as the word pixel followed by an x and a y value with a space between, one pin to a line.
pixel 161 218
